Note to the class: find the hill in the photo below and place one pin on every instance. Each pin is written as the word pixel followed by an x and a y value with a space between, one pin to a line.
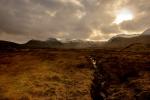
pixel 50 43
pixel 119 42
pixel 6 45
pixel 123 41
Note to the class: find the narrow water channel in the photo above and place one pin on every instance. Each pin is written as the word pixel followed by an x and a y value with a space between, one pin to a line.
pixel 99 84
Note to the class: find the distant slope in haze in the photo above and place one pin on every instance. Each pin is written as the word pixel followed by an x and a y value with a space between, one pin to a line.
pixel 121 42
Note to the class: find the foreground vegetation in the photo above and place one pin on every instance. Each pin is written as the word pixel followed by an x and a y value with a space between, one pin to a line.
pixel 121 76
pixel 52 74
pixel 44 75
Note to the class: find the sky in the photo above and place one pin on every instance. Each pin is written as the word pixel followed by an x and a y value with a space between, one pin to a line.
pixel 22 20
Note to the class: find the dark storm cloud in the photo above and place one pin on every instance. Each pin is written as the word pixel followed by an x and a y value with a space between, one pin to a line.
pixel 73 19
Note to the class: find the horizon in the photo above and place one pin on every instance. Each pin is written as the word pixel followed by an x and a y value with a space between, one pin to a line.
pixel 85 40
pixel 74 40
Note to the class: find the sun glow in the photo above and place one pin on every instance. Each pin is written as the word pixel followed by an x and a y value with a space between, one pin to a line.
pixel 123 15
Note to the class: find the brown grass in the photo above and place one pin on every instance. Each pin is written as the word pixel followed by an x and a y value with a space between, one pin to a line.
pixel 127 75
pixel 52 74
pixel 44 75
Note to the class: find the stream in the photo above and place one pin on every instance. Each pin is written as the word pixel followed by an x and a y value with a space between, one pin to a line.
pixel 99 82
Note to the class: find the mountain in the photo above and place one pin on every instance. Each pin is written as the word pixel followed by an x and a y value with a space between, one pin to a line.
pixel 50 43
pixel 119 42
pixel 123 41
pixel 8 45
pixel 147 32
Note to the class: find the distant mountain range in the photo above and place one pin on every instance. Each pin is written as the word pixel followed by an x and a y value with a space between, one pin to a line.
pixel 50 43
pixel 120 42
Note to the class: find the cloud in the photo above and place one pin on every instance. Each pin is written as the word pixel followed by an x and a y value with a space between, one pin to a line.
pixel 141 21
pixel 73 19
